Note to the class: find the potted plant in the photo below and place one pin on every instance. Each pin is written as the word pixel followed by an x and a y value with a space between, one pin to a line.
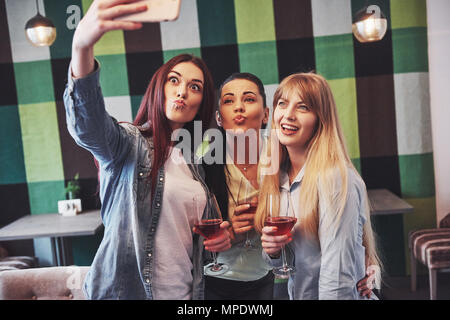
pixel 73 188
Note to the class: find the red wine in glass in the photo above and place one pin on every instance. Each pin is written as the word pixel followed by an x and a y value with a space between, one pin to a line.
pixel 209 228
pixel 283 224
pixel 253 207
pixel 208 219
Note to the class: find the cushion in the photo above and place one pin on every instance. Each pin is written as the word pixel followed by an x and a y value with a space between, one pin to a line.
pixel 413 235
pixel 15 264
pixel 31 262
pixel 439 256
pixel 52 283
pixel 424 243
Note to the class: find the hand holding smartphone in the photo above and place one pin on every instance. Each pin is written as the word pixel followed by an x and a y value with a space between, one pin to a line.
pixel 157 11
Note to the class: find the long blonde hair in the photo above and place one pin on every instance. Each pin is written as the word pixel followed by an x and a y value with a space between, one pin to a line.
pixel 325 180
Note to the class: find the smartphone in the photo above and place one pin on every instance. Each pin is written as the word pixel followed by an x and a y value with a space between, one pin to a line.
pixel 157 11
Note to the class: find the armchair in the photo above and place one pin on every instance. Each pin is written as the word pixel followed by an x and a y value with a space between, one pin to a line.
pixel 432 248
pixel 53 283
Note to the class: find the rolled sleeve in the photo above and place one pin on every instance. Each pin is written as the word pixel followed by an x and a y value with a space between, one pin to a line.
pixel 341 247
pixel 88 122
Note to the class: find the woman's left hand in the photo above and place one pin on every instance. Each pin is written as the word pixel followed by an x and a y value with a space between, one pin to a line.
pixel 363 288
pixel 222 242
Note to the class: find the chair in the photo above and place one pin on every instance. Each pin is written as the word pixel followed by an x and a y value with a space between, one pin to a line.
pixel 432 248
pixel 15 262
pixel 52 283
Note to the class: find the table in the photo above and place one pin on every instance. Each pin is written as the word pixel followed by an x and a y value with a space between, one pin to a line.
pixel 53 226
pixel 387 210
pixel 383 202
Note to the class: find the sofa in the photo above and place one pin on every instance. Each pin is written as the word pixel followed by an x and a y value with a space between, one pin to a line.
pixel 50 283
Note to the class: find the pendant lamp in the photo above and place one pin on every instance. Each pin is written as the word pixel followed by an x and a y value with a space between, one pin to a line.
pixel 369 24
pixel 40 31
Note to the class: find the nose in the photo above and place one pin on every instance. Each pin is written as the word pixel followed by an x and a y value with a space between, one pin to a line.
pixel 290 112
pixel 239 107
pixel 182 91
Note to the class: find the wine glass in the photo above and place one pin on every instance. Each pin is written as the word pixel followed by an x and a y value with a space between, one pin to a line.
pixel 284 220
pixel 207 223
pixel 245 196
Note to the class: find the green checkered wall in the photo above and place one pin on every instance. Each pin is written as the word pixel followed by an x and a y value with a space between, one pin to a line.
pixel 381 90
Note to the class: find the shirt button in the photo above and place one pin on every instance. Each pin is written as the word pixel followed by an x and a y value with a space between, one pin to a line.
pixel 149 254
pixel 158 204
pixel 147 280
pixel 161 179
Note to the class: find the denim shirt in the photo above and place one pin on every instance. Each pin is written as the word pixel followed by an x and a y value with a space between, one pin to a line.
pixel 330 268
pixel 124 263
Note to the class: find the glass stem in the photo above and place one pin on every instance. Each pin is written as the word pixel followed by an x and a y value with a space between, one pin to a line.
pixel 215 266
pixel 283 257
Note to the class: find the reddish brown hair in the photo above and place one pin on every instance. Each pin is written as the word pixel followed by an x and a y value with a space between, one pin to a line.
pixel 152 110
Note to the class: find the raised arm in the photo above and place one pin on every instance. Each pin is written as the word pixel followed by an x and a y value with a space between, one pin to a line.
pixel 98 20
pixel 87 120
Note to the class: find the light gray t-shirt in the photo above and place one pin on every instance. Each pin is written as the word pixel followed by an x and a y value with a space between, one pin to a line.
pixel 173 240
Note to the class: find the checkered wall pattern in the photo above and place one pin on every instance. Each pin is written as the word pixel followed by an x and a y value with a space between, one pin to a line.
pixel 381 91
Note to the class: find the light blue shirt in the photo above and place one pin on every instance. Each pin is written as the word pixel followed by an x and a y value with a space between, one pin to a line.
pixel 328 269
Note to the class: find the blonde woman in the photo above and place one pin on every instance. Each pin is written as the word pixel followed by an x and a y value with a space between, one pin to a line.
pixel 333 237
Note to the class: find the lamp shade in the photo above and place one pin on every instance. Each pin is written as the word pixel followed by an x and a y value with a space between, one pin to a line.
pixel 40 31
pixel 369 26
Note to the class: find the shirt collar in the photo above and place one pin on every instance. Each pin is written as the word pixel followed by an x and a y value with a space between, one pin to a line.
pixel 284 179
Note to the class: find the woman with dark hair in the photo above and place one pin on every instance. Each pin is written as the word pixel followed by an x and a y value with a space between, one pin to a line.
pixel 147 184
pixel 242 113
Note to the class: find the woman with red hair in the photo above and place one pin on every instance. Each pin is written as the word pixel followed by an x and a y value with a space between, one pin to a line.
pixel 147 184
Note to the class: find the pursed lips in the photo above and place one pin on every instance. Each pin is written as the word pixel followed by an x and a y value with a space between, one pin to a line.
pixel 179 104
pixel 239 119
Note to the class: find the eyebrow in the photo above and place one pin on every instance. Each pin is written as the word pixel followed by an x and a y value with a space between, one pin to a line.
pixel 232 94
pixel 179 74
pixel 298 102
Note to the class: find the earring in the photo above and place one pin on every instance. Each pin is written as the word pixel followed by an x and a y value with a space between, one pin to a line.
pixel 218 119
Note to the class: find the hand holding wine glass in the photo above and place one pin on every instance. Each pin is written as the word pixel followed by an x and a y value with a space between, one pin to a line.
pixel 276 233
pixel 210 225
pixel 244 213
